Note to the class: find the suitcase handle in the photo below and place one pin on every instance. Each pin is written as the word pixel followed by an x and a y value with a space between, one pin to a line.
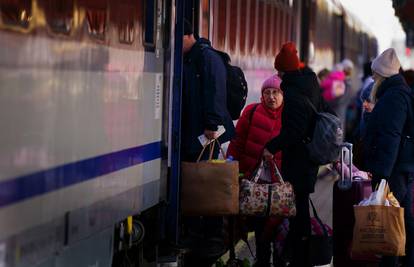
pixel 345 183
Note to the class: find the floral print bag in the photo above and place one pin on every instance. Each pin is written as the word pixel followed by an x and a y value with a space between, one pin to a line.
pixel 266 199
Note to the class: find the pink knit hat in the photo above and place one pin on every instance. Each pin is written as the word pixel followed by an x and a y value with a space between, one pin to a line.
pixel 272 82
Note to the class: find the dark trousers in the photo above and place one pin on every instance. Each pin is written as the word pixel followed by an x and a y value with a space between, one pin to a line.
pixel 265 233
pixel 263 242
pixel 401 186
pixel 299 232
pixel 205 240
pixel 202 235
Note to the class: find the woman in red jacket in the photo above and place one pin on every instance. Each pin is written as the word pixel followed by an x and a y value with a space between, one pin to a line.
pixel 258 124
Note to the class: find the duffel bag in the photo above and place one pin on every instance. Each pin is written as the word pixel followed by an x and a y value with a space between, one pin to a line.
pixel 264 199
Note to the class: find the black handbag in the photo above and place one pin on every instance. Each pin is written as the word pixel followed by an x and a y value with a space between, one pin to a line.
pixel 321 248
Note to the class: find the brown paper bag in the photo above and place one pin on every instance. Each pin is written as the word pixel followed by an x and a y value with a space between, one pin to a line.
pixel 209 189
pixel 379 230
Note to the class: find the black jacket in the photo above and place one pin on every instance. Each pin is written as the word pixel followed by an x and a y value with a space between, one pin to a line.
pixel 204 98
pixel 298 121
pixel 388 141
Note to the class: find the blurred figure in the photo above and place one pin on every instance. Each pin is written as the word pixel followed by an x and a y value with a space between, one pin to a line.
pixel 367 76
pixel 299 87
pixel 356 104
pixel 348 67
pixel 333 87
pixel 349 112
pixel 389 142
pixel 258 124
pixel 323 74
pixel 366 108
pixel 340 104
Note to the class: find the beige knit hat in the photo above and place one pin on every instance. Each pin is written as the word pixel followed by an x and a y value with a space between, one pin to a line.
pixel 386 64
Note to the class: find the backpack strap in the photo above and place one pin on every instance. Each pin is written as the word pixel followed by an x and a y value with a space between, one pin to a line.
pixel 252 113
pixel 311 105
pixel 315 215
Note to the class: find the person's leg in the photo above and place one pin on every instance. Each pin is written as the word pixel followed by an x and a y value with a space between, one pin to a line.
pixel 262 244
pixel 299 232
pixel 409 225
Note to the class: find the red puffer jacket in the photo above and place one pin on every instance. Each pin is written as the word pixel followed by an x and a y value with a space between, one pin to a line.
pixel 252 136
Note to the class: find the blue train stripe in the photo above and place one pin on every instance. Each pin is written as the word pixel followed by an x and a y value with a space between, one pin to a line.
pixel 42 182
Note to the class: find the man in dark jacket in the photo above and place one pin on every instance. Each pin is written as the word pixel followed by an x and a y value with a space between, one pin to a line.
pixel 204 110
pixel 204 95
pixel 298 121
pixel 389 140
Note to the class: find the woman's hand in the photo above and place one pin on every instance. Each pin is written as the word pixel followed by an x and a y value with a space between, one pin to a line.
pixel 267 155
pixel 210 134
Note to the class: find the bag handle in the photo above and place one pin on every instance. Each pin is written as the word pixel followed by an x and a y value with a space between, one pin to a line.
pixel 278 172
pixel 259 170
pixel 315 214
pixel 211 144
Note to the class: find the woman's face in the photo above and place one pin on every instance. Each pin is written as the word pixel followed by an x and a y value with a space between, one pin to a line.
pixel 273 98
pixel 367 106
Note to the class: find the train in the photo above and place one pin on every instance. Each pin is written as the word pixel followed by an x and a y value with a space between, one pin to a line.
pixel 90 94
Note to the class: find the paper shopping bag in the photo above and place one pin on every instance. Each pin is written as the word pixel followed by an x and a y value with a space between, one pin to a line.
pixel 379 230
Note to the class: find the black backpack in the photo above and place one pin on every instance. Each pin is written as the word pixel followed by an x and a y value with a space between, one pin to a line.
pixel 236 85
pixel 327 137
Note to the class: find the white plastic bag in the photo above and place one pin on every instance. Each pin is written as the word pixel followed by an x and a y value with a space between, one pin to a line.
pixel 380 195
pixel 377 197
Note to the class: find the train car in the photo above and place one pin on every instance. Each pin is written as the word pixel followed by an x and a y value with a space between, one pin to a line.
pixel 82 100
pixel 331 34
pixel 90 111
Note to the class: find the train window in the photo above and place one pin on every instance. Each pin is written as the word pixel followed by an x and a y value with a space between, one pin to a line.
pixel 283 25
pixel 16 13
pixel 276 32
pixel 127 15
pixel 219 37
pixel 149 32
pixel 232 13
pixel 270 29
pixel 59 15
pixel 243 27
pixel 288 27
pixel 97 22
pixel 252 25
pixel 204 28
pixel 262 26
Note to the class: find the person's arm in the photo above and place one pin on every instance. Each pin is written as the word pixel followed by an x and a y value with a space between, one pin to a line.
pixel 295 122
pixel 214 90
pixel 392 113
pixel 238 143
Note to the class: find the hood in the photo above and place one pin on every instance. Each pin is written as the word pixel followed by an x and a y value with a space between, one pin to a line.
pixel 337 75
pixel 305 83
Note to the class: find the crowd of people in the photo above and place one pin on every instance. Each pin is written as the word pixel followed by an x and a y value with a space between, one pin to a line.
pixel 379 117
